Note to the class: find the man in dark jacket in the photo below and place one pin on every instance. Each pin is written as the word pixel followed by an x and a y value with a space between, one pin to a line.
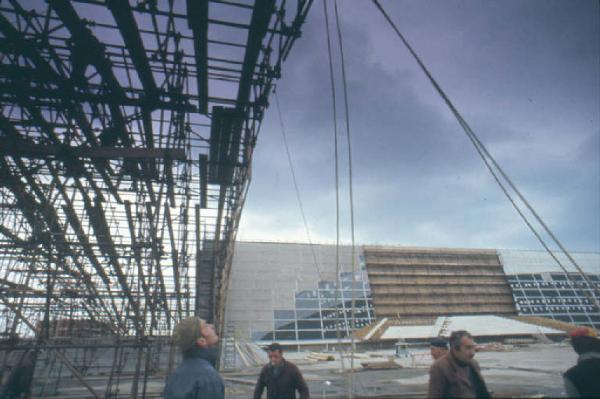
pixel 196 377
pixel 281 377
pixel 457 375
pixel 583 379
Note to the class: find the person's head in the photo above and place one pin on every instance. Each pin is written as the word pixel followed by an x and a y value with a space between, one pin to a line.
pixel 584 340
pixel 194 332
pixel 275 353
pixel 438 348
pixel 462 345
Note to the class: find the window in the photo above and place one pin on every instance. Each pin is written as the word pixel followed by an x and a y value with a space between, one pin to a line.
pixel 567 293
pixel 307 304
pixel 309 335
pixel 309 324
pixel 284 314
pixel 533 293
pixel 525 277
pixel 333 334
pixel 308 314
pixel 259 335
pixel 330 324
pixel 285 335
pixel 549 293
pixel 285 324
pixel 306 294
pixel 580 319
pixel 329 294
pixel 268 337
pixel 330 304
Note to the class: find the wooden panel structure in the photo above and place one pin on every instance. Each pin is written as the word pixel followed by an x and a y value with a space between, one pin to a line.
pixel 416 285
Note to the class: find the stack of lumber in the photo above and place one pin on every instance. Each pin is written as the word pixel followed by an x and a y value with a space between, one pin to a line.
pixel 387 365
pixel 321 357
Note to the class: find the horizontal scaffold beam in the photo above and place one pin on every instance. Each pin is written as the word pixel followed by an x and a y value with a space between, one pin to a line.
pixel 44 151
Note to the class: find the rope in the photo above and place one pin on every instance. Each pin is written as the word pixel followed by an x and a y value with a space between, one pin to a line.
pixel 351 195
pixel 338 285
pixel 524 218
pixel 483 153
pixel 298 197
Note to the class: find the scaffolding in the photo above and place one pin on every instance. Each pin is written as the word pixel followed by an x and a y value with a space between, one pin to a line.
pixel 127 131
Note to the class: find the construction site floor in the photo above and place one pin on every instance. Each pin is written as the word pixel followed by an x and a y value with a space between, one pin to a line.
pixel 513 371
pixel 533 370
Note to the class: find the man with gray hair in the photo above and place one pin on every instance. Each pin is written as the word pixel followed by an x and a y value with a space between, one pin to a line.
pixel 196 377
pixel 457 375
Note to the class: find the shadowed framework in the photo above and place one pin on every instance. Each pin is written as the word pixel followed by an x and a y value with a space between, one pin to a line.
pixel 127 132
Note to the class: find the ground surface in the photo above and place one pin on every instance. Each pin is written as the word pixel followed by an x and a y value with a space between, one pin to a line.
pixel 527 371
pixel 534 370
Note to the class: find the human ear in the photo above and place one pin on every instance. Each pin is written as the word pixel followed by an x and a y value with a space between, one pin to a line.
pixel 201 342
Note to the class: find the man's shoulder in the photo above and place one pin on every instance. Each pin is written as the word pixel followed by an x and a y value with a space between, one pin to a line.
pixel 570 372
pixel 205 374
pixel 193 375
pixel 584 366
pixel 291 366
pixel 198 368
pixel 441 363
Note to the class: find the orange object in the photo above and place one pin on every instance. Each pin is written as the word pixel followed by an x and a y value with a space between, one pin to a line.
pixel 583 332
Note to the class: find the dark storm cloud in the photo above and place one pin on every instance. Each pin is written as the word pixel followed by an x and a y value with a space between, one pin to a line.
pixel 525 76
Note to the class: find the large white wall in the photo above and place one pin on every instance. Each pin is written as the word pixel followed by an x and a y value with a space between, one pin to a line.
pixel 265 276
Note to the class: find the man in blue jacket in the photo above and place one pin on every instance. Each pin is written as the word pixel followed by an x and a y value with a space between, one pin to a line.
pixel 196 377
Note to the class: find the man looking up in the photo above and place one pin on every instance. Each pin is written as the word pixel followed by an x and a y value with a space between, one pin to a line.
pixel 196 377
pixel 438 348
pixel 282 378
pixel 457 374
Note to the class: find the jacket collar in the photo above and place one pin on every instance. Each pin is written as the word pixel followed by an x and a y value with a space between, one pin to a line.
pixel 280 365
pixel 209 354
pixel 588 356
pixel 456 362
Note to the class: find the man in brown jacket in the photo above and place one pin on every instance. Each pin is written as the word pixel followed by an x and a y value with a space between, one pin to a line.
pixel 457 374
pixel 282 378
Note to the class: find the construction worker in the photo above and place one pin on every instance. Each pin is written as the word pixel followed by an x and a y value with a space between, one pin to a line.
pixel 457 374
pixel 582 379
pixel 438 347
pixel 196 377
pixel 282 378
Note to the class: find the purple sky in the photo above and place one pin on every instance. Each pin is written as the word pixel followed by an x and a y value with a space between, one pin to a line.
pixel 524 74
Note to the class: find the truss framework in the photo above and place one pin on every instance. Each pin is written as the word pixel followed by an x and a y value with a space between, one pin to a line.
pixel 127 130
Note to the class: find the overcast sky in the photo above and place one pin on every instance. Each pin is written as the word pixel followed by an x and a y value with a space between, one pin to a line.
pixel 524 74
